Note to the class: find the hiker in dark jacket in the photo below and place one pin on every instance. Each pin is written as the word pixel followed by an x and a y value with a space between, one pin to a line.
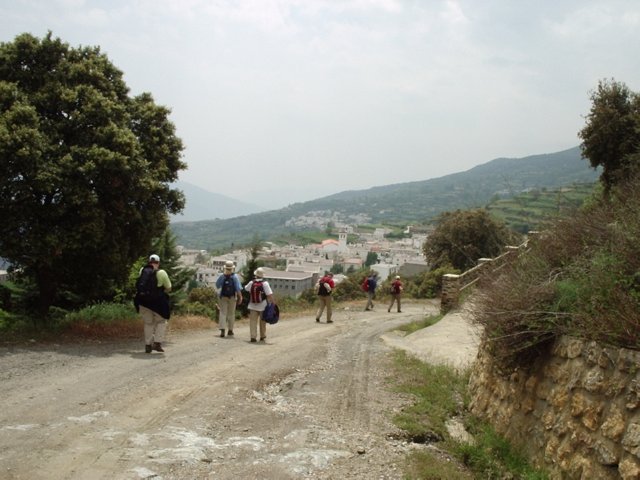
pixel 371 291
pixel 230 296
pixel 153 304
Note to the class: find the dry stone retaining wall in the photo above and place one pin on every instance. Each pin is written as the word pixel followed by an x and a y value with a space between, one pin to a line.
pixel 575 413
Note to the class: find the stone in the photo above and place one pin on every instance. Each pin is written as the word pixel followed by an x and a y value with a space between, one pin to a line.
pixel 559 397
pixel 629 469
pixel 631 439
pixel 606 453
pixel 594 381
pixel 613 426
pixel 581 467
pixel 574 348
pixel 578 404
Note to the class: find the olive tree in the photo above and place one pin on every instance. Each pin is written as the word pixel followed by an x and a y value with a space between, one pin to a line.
pixel 85 169
pixel 462 237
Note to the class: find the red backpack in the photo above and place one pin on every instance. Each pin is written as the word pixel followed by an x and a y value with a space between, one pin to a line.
pixel 256 292
pixel 365 285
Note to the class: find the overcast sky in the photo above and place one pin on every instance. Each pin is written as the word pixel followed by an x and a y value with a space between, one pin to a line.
pixel 280 101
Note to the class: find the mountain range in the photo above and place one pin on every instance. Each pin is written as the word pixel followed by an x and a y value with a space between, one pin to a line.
pixel 402 203
pixel 202 204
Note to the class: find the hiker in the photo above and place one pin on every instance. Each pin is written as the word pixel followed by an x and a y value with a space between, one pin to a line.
pixel 229 296
pixel 396 291
pixel 259 294
pixel 152 302
pixel 325 288
pixel 371 290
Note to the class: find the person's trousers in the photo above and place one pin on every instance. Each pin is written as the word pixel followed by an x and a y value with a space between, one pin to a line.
pixel 325 301
pixel 227 312
pixel 395 297
pixel 254 317
pixel 369 300
pixel 154 326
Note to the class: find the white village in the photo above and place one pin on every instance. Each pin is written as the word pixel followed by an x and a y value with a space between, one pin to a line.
pixel 292 269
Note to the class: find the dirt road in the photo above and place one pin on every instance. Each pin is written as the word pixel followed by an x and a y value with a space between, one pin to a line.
pixel 312 402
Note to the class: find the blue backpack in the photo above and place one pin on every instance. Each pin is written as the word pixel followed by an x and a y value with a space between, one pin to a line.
pixel 228 287
pixel 271 313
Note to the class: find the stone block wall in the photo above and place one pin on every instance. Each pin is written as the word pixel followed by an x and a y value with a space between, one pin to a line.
pixel 575 413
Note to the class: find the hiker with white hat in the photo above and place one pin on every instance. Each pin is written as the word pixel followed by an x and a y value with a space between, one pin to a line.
pixel 259 294
pixel 230 296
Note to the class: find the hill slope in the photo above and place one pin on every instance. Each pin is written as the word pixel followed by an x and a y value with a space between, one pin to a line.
pixel 205 205
pixel 411 202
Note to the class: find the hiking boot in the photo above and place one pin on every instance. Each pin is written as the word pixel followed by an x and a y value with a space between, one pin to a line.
pixel 318 320
pixel 158 347
pixel 262 339
pixel 230 333
pixel 222 333
pixel 389 310
pixel 147 349
pixel 329 321
pixel 253 340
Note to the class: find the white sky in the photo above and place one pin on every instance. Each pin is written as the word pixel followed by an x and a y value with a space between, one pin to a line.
pixel 280 101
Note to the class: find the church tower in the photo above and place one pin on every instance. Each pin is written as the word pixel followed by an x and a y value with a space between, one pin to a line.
pixel 342 241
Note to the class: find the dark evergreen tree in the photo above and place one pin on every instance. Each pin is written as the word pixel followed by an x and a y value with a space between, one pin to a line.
pixel 85 170
pixel 611 136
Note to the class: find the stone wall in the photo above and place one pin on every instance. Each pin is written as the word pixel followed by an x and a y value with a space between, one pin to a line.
pixel 575 413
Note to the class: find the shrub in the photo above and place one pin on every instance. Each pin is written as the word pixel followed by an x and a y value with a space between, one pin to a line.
pixel 581 277
pixel 102 313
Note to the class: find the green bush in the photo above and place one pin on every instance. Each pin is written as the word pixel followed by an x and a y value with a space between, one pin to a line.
pixel 199 309
pixel 101 313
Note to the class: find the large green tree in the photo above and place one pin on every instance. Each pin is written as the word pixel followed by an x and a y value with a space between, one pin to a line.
pixel 464 236
pixel 611 135
pixel 85 169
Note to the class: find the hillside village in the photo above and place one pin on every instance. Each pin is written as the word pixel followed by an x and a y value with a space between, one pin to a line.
pixel 291 269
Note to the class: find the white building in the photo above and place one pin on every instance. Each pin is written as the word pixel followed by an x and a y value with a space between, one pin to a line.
pixel 289 284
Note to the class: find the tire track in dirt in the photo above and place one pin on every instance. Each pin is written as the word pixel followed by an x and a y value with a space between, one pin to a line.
pixel 299 406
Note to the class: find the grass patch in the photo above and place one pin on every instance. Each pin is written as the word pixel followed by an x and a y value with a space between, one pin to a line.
pixel 102 320
pixel 440 393
pixel 492 456
pixel 420 324
pixel 431 466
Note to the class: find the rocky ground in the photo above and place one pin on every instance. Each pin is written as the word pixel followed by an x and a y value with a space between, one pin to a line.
pixel 313 402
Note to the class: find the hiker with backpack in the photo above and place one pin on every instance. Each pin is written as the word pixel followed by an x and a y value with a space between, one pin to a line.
pixel 229 296
pixel 152 302
pixel 369 286
pixel 396 291
pixel 259 294
pixel 325 287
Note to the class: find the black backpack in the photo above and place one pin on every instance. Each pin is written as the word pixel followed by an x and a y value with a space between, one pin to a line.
pixel 147 284
pixel 228 288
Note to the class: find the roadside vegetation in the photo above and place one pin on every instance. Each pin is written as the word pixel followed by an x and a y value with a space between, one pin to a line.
pixel 581 275
pixel 439 393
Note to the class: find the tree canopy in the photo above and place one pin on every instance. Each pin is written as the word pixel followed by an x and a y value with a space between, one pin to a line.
pixel 85 169
pixel 611 135
pixel 462 237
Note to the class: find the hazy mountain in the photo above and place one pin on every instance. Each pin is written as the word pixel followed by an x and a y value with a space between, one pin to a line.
pixel 204 205
pixel 411 202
